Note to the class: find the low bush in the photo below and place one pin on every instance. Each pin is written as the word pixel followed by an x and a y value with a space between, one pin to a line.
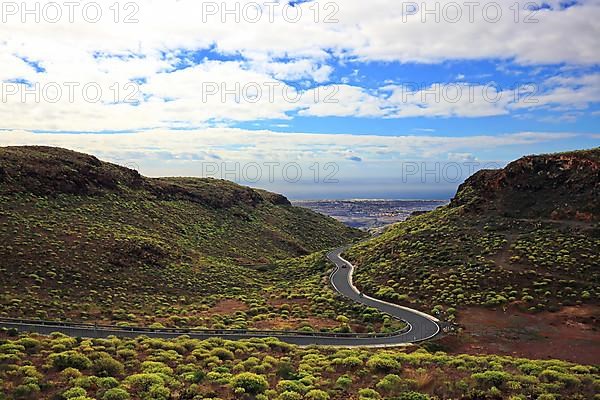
pixel 390 383
pixel 411 396
pixel 491 378
pixel 316 394
pixel 143 382
pixel 314 373
pixel 383 363
pixel 116 394
pixel 289 396
pixel 107 366
pixel 74 393
pixel 368 394
pixel 250 382
pixel 70 359
pixel 27 391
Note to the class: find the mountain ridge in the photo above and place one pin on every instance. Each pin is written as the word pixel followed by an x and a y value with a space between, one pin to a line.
pixel 43 170
pixel 556 186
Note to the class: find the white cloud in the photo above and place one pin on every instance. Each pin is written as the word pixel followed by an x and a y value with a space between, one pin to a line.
pixel 221 92
pixel 278 51
pixel 461 99
pixel 457 99
pixel 379 30
pixel 294 70
pixel 461 157
pixel 342 101
pixel 565 93
pixel 245 145
pixel 366 166
pixel 428 130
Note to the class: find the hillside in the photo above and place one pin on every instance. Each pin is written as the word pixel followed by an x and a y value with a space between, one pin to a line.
pixel 526 236
pixel 85 239
pixel 564 186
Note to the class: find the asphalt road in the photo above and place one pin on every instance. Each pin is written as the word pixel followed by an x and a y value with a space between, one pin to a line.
pixel 420 326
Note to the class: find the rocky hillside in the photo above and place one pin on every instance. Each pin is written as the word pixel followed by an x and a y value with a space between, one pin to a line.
pixel 554 186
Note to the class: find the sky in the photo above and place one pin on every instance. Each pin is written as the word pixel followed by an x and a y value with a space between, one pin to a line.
pixel 328 99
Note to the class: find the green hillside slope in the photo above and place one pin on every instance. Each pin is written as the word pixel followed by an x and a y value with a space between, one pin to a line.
pixel 85 239
pixel 526 235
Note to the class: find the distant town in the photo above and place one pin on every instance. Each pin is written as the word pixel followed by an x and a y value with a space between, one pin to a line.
pixel 370 214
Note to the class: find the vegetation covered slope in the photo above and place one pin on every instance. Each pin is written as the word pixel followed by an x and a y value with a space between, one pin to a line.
pixel 58 367
pixel 526 235
pixel 85 239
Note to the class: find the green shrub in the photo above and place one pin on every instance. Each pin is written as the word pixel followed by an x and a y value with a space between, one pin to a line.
pixel 411 396
pixel 155 367
pixel 85 382
pixel 107 366
pixel 289 396
pixel 157 392
pixel 383 363
pixel 143 382
pixel 251 383
pixel 70 359
pixel 551 376
pixel 290 386
pixel 389 383
pixel 196 376
pixel 26 391
pixel 368 394
pixel 314 373
pixel 107 383
pixel 126 354
pixel 31 345
pixel 286 370
pixel 352 362
pixel 530 368
pixel 70 373
pixel 547 396
pixel 30 371
pixel 115 394
pixel 74 392
pixel 344 382
pixel 317 394
pixel 222 354
pixel 491 378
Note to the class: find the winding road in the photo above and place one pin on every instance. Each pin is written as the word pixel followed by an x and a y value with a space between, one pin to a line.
pixel 420 326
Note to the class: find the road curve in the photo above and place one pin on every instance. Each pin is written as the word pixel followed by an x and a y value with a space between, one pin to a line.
pixel 419 326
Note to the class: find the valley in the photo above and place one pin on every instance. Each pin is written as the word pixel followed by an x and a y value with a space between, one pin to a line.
pixel 187 288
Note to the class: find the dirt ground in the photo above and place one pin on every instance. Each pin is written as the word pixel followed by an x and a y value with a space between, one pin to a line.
pixel 572 334
pixel 228 306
